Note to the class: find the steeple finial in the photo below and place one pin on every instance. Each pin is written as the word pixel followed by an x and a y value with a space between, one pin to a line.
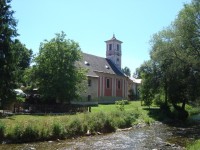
pixel 113 35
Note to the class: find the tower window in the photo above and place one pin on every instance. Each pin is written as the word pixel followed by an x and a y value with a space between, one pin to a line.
pixel 118 47
pixel 117 59
pixel 110 46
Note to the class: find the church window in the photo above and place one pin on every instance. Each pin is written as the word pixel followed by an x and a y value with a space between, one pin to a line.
pixel 107 83
pixel 117 59
pixel 110 46
pixel 119 84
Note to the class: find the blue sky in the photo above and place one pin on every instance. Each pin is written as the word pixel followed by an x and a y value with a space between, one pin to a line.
pixel 91 22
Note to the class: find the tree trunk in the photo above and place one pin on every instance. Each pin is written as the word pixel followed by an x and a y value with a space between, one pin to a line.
pixel 165 88
pixel 183 104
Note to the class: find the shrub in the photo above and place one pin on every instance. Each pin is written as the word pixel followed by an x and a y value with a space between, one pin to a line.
pixel 31 133
pixel 45 133
pixel 2 131
pixel 120 104
pixel 58 130
pixel 123 119
pixel 16 134
pixel 74 127
pixel 96 121
pixel 159 99
pixel 194 146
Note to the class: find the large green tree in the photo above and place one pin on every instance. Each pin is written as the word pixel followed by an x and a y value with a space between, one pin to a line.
pixel 57 75
pixel 7 33
pixel 175 58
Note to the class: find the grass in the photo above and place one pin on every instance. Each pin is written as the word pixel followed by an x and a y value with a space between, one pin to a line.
pixel 104 119
pixel 194 146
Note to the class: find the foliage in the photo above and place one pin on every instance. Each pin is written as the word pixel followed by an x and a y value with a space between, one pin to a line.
pixel 22 60
pixel 159 99
pixel 7 63
pixel 20 99
pixel 194 146
pixel 126 71
pixel 120 104
pixel 2 131
pixel 58 130
pixel 74 127
pixel 57 76
pixel 31 133
pixel 174 65
pixel 22 128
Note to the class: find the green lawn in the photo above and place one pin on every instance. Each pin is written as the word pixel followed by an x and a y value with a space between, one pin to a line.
pixel 112 107
pixel 50 119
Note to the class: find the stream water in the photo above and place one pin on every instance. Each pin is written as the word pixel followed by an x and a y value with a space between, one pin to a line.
pixel 157 136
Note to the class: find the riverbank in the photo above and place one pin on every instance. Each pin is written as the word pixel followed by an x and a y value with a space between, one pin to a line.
pixel 102 119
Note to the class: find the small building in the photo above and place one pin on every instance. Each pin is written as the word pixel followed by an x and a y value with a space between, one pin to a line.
pixel 134 86
pixel 106 81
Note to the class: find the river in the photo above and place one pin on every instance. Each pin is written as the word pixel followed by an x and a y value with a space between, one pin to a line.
pixel 156 136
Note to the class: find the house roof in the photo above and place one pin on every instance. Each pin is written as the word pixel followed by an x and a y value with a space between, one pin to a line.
pixel 99 64
pixel 138 81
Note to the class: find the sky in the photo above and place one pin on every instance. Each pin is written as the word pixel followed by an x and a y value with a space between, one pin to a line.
pixel 92 22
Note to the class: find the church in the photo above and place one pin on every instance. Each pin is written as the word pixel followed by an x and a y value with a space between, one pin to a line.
pixel 106 81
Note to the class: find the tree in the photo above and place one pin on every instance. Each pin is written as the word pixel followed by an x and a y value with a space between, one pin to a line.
pixel 57 75
pixel 149 84
pixel 22 60
pixel 126 71
pixel 175 57
pixel 7 33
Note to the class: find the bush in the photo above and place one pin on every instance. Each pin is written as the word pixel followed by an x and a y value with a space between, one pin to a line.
pixel 123 119
pixel 96 121
pixel 31 133
pixel 58 130
pixel 45 133
pixel 100 122
pixel 16 134
pixel 122 102
pixel 74 127
pixel 2 131
pixel 194 146
pixel 159 100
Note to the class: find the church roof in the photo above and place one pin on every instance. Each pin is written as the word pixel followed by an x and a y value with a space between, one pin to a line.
pixel 99 64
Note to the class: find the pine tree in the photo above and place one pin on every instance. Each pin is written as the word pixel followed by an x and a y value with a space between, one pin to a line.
pixel 7 34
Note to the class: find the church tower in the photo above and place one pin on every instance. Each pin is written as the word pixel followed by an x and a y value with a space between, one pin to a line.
pixel 113 51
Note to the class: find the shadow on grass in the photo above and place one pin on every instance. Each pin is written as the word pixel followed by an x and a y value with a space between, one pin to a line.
pixel 155 113
pixel 168 118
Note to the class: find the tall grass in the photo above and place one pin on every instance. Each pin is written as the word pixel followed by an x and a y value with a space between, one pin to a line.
pixel 26 128
pixel 194 146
